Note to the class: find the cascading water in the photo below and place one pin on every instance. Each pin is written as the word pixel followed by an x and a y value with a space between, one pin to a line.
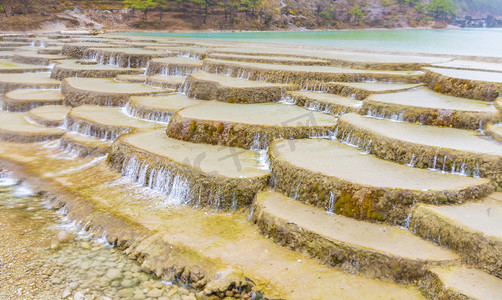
pixel 146 115
pixel 84 128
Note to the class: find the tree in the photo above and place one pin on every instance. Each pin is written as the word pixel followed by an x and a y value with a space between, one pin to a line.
pixel 143 5
pixel 441 10
pixel 356 12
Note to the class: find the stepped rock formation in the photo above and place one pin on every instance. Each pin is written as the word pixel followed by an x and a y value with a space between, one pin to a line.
pixel 246 171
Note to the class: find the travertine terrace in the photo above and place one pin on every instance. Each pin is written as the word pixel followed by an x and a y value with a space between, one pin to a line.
pixel 274 172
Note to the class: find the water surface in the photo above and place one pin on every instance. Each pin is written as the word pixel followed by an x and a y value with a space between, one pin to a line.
pixel 478 41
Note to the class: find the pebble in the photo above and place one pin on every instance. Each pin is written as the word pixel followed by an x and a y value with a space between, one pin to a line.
pixel 64 236
pixel 85 269
pixel 139 296
pixel 183 291
pixel 126 293
pixel 126 283
pixel 56 280
pixel 73 285
pixel 172 292
pixel 113 274
pixel 79 296
pixel 154 293
pixel 66 294
pixel 176 297
pixel 85 245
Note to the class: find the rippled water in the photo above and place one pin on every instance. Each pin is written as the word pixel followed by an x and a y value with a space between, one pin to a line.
pixel 43 255
pixel 478 42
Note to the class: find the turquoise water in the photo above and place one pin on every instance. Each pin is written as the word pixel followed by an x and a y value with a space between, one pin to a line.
pixel 478 42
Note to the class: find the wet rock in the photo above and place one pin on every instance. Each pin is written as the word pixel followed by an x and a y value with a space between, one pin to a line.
pixel 113 274
pixel 79 296
pixel 155 293
pixel 64 236
pixel 85 245
pixel 183 291
pixel 200 284
pixel 224 280
pixel 73 285
pixel 84 265
pixel 66 294
pixel 56 280
pixel 139 296
pixel 142 277
pixel 126 293
pixel 126 283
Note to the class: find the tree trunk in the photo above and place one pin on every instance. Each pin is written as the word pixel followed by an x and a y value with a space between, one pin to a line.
pixel 204 20
pixel 225 8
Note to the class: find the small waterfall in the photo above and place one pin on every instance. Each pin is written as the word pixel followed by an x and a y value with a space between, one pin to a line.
pixel 465 168
pixel 331 204
pixel 185 87
pixel 412 161
pixel 475 173
pixel 177 71
pixel 288 100
pixel 480 129
pixel 84 128
pixel 159 179
pixel 259 142
pixel 189 54
pixel 79 228
pixel 146 67
pixel 6 179
pixel 348 139
pixel 407 222
pixel 322 133
pixel 313 105
pixel 147 115
pixel 113 60
pixel 174 186
pixel 71 149
pixel 385 115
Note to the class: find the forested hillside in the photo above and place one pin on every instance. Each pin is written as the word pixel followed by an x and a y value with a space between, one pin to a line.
pixel 237 14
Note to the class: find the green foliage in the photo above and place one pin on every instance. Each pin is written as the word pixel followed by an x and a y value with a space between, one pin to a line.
pixel 142 5
pixel 327 15
pixel 441 10
pixel 387 2
pixel 356 12
pixel 420 7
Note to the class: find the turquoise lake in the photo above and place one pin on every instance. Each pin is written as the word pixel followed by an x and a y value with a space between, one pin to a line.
pixel 478 42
